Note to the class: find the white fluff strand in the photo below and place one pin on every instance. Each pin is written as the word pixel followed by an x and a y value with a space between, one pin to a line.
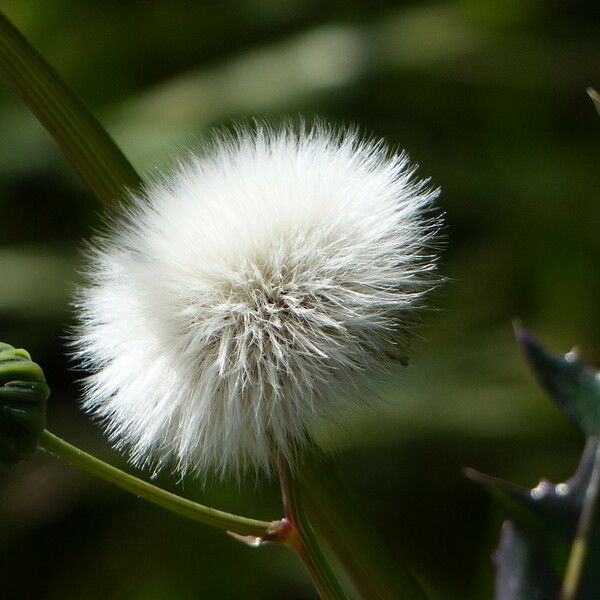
pixel 251 294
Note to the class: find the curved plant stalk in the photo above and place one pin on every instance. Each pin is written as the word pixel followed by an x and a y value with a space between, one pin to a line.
pixel 92 152
pixel 294 530
pixel 301 537
pixel 358 548
pixel 186 508
pixel 580 547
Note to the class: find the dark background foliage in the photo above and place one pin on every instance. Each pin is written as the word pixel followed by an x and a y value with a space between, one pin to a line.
pixel 489 98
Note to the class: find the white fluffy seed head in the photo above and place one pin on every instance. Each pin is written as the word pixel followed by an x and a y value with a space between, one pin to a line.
pixel 243 300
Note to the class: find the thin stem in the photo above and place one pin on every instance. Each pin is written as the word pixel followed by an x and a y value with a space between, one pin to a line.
pixel 89 148
pixel 356 545
pixel 303 540
pixel 580 547
pixel 186 508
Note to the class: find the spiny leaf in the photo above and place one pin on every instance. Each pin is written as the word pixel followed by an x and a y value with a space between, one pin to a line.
pixel 523 568
pixel 535 540
pixel 573 385
pixel 548 507
pixel 542 523
pixel 515 499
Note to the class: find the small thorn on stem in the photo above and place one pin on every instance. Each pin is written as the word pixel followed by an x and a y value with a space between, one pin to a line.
pixel 249 540
pixel 279 532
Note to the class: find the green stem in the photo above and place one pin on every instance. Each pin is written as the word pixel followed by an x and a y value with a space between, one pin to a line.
pixel 580 547
pixel 186 508
pixel 303 539
pixel 357 546
pixel 82 139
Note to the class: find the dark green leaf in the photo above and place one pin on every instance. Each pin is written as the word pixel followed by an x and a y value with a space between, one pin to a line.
pixel 537 539
pixel 92 152
pixel 523 567
pixel 573 385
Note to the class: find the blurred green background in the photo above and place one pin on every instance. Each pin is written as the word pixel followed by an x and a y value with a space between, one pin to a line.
pixel 488 96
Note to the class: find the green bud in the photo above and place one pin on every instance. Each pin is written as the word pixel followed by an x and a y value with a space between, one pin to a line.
pixel 23 395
